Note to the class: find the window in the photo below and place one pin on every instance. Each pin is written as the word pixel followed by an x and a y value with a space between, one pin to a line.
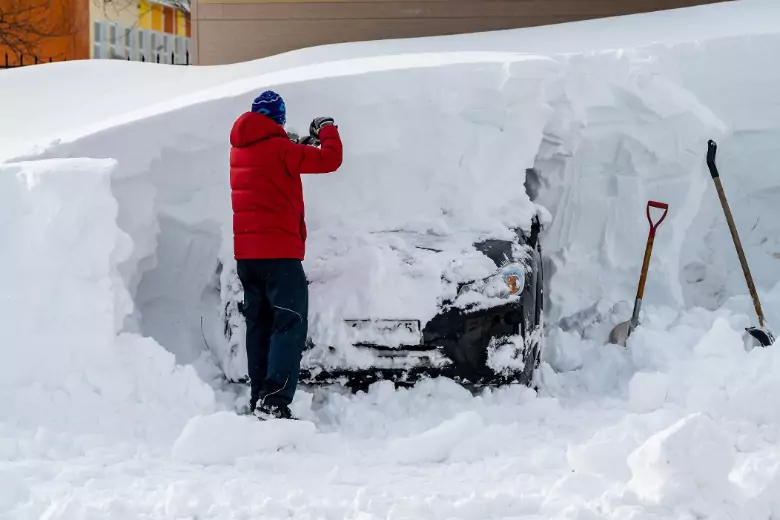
pixel 153 47
pixel 166 58
pixel 178 54
pixel 112 40
pixel 98 40
pixel 130 44
pixel 142 49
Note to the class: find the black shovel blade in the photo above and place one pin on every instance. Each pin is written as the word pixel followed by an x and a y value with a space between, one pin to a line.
pixel 763 336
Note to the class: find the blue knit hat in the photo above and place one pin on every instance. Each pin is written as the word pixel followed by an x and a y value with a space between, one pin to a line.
pixel 271 104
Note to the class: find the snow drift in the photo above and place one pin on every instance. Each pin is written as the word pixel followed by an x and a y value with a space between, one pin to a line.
pixel 450 139
pixel 423 170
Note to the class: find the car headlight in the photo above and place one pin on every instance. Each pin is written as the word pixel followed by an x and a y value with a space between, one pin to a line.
pixel 508 281
pixel 513 275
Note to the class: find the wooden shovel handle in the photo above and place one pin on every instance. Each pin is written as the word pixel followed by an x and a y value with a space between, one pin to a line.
pixel 650 240
pixel 712 149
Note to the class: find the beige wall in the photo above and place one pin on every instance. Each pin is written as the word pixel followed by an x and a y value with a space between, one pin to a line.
pixel 229 31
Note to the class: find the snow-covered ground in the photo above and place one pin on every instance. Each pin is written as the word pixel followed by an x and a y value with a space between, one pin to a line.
pixel 113 219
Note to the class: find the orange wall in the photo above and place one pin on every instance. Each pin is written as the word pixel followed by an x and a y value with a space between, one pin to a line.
pixel 69 17
pixel 169 17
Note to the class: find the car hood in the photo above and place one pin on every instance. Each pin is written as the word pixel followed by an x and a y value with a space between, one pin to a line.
pixel 393 274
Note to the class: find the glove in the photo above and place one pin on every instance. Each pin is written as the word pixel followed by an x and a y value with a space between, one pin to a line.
pixel 309 140
pixel 318 123
pixel 294 137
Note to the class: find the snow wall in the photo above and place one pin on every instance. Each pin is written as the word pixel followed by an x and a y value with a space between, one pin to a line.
pixel 66 358
pixel 607 131
pixel 420 166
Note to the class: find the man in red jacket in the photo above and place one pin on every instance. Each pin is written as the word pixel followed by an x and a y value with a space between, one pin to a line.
pixel 269 236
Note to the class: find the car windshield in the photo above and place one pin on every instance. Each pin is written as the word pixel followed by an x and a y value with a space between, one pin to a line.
pixel 499 251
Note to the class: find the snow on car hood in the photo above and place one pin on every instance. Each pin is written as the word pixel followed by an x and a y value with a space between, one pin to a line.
pixel 386 275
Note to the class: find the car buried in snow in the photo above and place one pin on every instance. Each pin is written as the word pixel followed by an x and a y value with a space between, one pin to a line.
pixel 487 332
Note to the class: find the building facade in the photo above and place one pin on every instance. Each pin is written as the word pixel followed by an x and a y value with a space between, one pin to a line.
pixel 229 31
pixel 140 30
pixel 135 30
pixel 150 31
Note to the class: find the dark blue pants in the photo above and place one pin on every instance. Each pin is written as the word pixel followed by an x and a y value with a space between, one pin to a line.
pixel 276 306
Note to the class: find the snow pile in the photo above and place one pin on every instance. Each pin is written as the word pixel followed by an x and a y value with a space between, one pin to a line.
pixel 438 444
pixel 450 137
pixel 444 170
pixel 440 139
pixel 223 437
pixel 696 419
pixel 689 460
pixel 67 365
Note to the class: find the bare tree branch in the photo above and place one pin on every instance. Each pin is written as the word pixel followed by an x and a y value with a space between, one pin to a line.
pixel 25 24
pixel 123 5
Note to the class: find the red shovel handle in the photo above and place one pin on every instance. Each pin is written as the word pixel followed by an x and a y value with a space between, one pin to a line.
pixel 659 205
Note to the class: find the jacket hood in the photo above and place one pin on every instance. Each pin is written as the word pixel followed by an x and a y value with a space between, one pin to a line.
pixel 251 127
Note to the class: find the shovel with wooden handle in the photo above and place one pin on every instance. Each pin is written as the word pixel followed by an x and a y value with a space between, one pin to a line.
pixel 620 333
pixel 762 333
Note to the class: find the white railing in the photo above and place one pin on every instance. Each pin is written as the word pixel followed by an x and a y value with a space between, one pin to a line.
pixel 110 40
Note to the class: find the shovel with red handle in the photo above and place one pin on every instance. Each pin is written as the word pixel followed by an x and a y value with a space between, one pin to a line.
pixel 620 333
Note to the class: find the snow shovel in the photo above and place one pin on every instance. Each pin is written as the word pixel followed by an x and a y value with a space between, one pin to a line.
pixel 761 333
pixel 620 333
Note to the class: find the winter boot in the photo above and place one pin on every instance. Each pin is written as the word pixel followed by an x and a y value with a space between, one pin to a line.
pixel 265 412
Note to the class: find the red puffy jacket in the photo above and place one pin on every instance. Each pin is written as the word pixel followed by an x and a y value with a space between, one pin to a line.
pixel 265 180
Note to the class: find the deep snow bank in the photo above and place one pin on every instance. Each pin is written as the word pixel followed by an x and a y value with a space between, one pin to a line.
pixel 695 248
pixel 67 367
pixel 612 145
pixel 445 156
pixel 433 143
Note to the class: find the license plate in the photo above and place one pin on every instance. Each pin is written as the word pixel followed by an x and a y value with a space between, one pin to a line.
pixel 393 333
